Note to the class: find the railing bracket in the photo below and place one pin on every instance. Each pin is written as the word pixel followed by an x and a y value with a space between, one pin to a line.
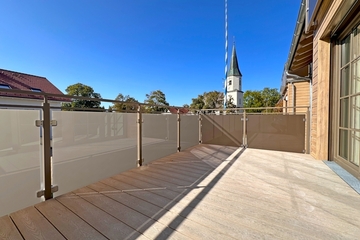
pixel 40 193
pixel 39 123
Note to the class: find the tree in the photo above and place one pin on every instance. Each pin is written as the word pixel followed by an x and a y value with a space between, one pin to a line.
pixel 214 100
pixel 230 103
pixel 268 97
pixel 198 103
pixel 118 107
pixel 208 100
pixel 186 105
pixel 82 90
pixel 156 98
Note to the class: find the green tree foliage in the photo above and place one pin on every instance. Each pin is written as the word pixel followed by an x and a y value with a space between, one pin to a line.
pixel 268 97
pixel 119 107
pixel 197 103
pixel 230 103
pixel 214 100
pixel 156 98
pixel 208 100
pixel 82 90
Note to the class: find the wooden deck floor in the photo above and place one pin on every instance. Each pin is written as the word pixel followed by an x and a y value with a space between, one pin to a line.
pixel 202 193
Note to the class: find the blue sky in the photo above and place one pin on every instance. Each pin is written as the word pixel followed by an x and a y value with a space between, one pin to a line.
pixel 136 46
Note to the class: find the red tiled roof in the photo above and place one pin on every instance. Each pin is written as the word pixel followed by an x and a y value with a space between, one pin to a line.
pixel 174 110
pixel 23 81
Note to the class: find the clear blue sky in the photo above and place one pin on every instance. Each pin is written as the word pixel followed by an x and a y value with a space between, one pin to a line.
pixel 136 46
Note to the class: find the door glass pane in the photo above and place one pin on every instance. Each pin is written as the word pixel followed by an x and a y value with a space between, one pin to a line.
pixel 345 51
pixel 344 83
pixel 355 112
pixel 356 77
pixel 344 112
pixel 355 147
pixel 343 144
pixel 356 43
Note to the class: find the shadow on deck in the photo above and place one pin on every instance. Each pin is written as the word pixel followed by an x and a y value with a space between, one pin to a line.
pixel 206 192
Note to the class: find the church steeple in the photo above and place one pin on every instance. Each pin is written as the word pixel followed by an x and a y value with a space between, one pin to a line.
pixel 234 66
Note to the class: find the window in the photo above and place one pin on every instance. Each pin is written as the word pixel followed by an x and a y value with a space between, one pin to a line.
pixel 35 89
pixel 230 82
pixel 349 97
pixel 5 86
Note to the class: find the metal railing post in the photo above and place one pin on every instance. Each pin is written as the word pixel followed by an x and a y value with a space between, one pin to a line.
pixel 139 137
pixel 178 131
pixel 244 129
pixel 308 131
pixel 200 126
pixel 47 150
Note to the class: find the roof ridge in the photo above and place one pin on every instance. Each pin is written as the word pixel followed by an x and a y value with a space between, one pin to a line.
pixel 1 70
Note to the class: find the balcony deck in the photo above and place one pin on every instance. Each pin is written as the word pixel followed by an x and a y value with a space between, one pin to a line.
pixel 205 192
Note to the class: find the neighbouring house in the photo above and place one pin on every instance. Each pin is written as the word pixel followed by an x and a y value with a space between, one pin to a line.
pixel 323 70
pixel 174 110
pixel 27 82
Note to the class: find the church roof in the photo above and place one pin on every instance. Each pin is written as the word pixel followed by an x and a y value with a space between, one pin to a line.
pixel 234 66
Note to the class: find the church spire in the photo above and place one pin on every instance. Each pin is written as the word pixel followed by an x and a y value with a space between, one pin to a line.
pixel 234 66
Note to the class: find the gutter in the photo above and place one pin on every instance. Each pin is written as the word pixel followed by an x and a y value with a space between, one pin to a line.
pixel 297 33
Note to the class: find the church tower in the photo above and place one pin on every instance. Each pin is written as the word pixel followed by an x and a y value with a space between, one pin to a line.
pixel 233 81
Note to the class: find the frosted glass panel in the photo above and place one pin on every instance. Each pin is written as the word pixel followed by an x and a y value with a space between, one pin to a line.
pixel 19 159
pixel 222 129
pixel 88 147
pixel 159 136
pixel 189 131
pixel 276 132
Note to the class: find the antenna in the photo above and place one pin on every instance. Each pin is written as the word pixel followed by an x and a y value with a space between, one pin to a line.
pixel 226 52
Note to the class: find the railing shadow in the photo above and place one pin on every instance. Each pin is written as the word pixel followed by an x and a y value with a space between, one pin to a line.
pixel 156 189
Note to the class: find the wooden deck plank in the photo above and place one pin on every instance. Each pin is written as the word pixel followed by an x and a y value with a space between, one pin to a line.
pixel 161 177
pixel 178 174
pixel 134 182
pixel 8 229
pixel 169 193
pixel 119 185
pixel 102 187
pixel 150 179
pixel 69 224
pixel 105 223
pixel 182 168
pixel 142 223
pixel 33 225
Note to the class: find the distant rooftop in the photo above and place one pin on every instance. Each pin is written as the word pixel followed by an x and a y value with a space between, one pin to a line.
pixel 23 81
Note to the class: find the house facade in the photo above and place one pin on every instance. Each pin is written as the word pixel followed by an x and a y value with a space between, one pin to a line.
pixel 325 53
pixel 27 82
